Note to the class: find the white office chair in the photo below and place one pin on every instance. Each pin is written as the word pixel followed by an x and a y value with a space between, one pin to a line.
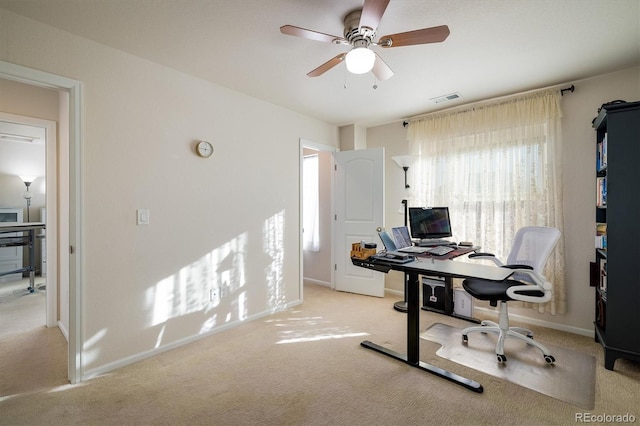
pixel 528 256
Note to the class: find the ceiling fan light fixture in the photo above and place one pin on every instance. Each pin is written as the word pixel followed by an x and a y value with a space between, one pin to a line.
pixel 360 60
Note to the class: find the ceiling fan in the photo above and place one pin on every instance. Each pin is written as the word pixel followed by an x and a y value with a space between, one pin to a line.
pixel 360 28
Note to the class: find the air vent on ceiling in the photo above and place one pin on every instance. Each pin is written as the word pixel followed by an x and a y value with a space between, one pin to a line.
pixel 446 98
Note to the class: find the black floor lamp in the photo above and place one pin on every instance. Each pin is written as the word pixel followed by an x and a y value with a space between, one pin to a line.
pixel 404 161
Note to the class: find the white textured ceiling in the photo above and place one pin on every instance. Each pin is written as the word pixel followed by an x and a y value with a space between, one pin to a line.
pixel 496 47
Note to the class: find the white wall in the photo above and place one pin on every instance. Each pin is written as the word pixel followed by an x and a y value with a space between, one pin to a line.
pixel 578 168
pixel 228 223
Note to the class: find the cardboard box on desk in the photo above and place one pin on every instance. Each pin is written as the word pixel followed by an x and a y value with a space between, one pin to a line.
pixel 360 252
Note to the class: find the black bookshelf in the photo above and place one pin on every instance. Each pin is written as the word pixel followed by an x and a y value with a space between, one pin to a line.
pixel 615 273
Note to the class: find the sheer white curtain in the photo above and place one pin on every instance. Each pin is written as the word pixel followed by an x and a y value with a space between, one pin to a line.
pixel 310 204
pixel 497 167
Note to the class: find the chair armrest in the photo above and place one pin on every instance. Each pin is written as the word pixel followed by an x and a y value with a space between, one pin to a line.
pixel 539 283
pixel 472 255
pixel 518 276
pixel 518 267
pixel 485 256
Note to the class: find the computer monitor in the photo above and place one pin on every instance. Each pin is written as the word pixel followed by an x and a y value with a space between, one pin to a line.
pixel 429 222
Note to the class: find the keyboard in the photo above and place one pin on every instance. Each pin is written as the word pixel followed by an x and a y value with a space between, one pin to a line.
pixel 413 249
pixel 441 250
pixel 431 243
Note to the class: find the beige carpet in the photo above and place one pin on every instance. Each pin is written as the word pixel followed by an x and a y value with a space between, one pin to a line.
pixel 570 379
pixel 20 310
pixel 304 366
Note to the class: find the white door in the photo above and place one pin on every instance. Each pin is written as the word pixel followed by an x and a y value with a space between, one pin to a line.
pixel 359 216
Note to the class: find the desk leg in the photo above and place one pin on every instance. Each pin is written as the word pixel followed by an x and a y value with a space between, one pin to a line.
pixel 32 258
pixel 413 319
pixel 413 341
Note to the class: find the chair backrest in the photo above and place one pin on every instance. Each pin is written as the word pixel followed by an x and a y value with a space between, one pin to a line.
pixel 532 246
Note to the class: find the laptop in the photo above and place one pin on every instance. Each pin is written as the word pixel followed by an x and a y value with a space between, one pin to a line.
pixel 391 254
pixel 387 241
pixel 400 240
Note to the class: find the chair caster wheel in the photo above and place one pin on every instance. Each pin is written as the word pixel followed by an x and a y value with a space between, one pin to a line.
pixel 550 359
pixel 501 358
pixel 465 339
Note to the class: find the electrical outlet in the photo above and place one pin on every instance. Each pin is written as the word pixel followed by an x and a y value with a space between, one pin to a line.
pixel 213 295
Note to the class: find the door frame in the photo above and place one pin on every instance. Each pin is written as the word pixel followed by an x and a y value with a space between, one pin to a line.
pixel 73 222
pixel 305 143
pixel 51 184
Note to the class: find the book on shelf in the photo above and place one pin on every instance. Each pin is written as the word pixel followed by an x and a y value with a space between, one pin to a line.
pixel 601 158
pixel 603 276
pixel 601 236
pixel 601 191
pixel 601 229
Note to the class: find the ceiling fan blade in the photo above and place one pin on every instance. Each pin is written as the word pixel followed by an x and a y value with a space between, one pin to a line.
pixel 372 12
pixel 327 65
pixel 381 70
pixel 423 36
pixel 309 34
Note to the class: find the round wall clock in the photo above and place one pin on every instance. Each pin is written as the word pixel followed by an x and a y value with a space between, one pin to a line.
pixel 204 149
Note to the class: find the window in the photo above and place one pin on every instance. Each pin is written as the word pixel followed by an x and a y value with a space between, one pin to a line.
pixel 310 204
pixel 497 168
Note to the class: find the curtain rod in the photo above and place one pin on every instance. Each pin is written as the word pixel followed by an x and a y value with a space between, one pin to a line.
pixel 571 89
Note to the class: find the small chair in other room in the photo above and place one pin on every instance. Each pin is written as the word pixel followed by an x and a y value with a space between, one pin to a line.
pixel 531 249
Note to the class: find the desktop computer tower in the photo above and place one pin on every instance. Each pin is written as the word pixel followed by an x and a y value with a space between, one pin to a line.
pixel 462 303
pixel 433 293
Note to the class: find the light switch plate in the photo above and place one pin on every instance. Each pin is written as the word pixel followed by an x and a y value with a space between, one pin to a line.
pixel 143 216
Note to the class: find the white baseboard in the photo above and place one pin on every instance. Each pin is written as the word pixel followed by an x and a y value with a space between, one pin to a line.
pixel 394 292
pixel 95 372
pixel 313 281
pixel 542 323
pixel 64 331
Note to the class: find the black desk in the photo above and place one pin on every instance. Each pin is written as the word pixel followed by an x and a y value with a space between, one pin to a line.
pixel 433 267
pixel 28 238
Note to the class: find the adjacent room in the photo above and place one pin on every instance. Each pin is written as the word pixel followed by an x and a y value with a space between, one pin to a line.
pixel 327 212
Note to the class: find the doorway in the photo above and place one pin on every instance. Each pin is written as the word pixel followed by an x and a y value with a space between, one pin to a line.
pixel 25 143
pixel 65 219
pixel 316 212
